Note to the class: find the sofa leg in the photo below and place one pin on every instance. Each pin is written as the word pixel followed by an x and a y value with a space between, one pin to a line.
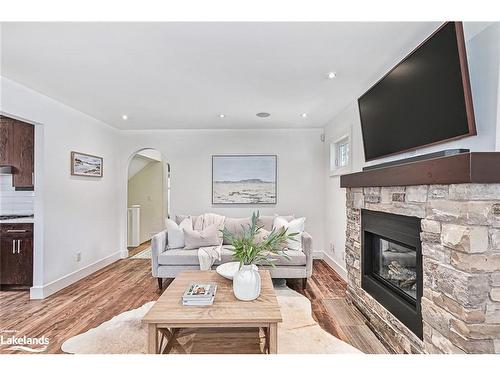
pixel 304 283
pixel 160 283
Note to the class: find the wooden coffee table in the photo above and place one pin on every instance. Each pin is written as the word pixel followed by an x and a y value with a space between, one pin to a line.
pixel 168 316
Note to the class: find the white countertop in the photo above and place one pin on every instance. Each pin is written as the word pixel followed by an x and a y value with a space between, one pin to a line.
pixel 21 220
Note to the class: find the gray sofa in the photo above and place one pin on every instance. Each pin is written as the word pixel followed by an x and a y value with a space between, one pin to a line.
pixel 167 263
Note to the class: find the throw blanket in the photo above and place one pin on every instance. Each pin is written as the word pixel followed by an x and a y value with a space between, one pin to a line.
pixel 208 255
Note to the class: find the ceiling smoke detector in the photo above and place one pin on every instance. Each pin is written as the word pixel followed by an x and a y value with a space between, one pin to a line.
pixel 263 114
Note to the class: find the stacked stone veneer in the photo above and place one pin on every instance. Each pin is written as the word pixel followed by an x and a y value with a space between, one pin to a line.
pixel 461 265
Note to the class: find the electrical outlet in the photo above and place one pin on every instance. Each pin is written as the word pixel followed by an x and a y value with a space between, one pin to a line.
pixel 78 256
pixel 332 247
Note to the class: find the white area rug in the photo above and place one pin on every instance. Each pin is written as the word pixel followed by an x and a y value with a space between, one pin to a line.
pixel 298 334
pixel 144 254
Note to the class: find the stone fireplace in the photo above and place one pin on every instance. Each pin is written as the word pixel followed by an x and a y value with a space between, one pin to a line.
pixel 457 252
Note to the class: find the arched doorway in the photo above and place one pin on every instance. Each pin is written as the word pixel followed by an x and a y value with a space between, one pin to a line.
pixel 148 197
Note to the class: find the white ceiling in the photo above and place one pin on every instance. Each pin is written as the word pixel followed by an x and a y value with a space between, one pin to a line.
pixel 182 75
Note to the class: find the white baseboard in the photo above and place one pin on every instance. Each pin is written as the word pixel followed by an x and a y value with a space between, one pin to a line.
pixel 317 254
pixel 124 254
pixel 41 292
pixel 336 267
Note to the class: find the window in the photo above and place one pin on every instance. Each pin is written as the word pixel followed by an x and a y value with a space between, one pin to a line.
pixel 340 156
pixel 342 153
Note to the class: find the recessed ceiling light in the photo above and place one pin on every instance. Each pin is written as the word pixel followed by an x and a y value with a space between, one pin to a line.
pixel 263 114
pixel 304 115
pixel 125 117
pixel 222 115
pixel 331 75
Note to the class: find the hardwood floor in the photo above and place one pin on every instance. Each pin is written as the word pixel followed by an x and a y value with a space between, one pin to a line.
pixel 124 285
pixel 136 250
pixel 327 292
pixel 128 284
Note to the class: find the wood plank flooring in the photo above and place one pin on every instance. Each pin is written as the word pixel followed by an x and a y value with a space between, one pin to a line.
pixel 128 284
pixel 136 250
pixel 327 292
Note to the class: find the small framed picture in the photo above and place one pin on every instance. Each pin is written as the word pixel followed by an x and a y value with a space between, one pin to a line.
pixel 86 165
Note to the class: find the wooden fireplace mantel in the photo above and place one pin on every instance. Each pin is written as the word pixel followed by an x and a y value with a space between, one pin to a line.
pixel 473 167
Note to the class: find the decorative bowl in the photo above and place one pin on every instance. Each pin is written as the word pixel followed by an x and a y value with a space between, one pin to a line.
pixel 228 270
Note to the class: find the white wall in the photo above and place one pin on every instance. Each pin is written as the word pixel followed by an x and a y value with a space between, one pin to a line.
pixel 189 153
pixel 483 51
pixel 72 214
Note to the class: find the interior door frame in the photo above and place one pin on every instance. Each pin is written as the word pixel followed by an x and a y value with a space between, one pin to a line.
pixel 36 291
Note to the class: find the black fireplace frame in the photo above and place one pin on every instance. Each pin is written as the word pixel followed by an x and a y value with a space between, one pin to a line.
pixel 404 230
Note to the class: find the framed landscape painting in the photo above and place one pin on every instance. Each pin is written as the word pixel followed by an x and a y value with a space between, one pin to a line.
pixel 86 165
pixel 244 179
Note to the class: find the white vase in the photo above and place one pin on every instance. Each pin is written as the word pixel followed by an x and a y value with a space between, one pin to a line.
pixel 246 283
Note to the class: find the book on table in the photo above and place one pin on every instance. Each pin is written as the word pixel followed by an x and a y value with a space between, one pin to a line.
pixel 199 294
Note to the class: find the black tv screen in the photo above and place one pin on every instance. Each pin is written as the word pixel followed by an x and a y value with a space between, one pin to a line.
pixel 425 99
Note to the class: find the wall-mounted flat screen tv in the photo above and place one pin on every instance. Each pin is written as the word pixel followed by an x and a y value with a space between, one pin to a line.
pixel 424 100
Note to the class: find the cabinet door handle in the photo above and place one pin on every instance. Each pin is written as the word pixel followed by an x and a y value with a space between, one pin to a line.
pixel 19 246
pixel 13 246
pixel 17 230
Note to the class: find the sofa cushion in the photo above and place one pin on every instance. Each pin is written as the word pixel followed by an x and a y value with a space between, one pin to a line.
pixel 180 218
pixel 297 258
pixel 294 226
pixel 205 221
pixel 179 257
pixel 236 226
pixel 206 237
pixel 190 257
pixel 267 221
pixel 261 235
pixel 176 232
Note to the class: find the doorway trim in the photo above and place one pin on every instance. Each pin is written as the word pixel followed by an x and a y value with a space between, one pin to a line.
pixel 36 290
pixel 166 169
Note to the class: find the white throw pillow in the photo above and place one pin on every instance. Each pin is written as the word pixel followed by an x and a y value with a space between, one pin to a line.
pixel 194 239
pixel 293 226
pixel 176 232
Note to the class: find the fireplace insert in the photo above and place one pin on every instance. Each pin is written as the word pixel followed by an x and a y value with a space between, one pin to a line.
pixel 391 262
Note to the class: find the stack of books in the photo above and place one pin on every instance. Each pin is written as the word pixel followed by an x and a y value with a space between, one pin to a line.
pixel 199 294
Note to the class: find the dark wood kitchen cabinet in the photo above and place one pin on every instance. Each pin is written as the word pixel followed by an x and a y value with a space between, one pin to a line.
pixel 6 141
pixel 17 150
pixel 16 254
pixel 23 154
